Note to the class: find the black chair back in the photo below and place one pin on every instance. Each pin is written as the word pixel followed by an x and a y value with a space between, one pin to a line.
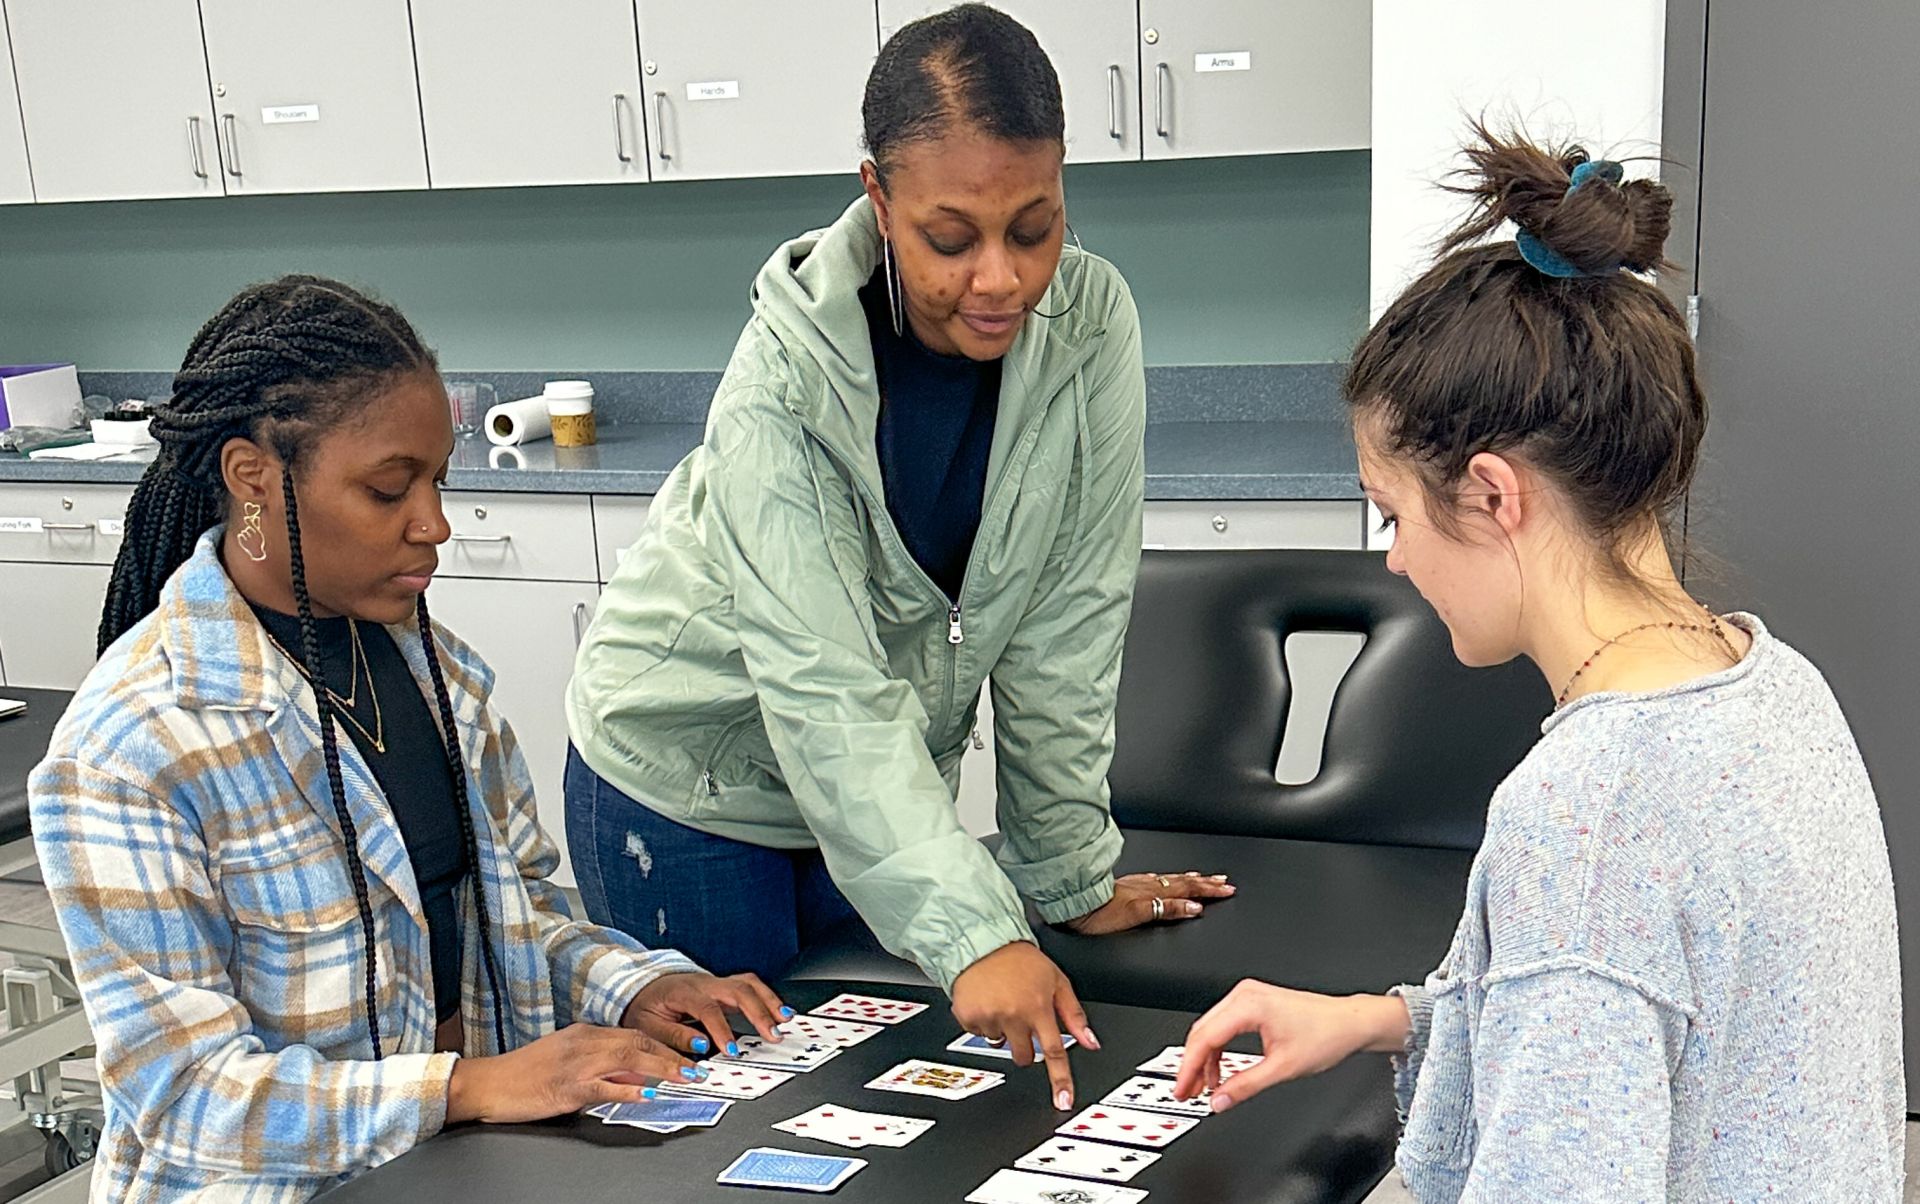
pixel 1415 743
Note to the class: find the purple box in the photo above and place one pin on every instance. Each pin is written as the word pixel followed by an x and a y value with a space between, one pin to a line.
pixel 39 395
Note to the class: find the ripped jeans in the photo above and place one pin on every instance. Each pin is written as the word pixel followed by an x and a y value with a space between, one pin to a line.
pixel 729 905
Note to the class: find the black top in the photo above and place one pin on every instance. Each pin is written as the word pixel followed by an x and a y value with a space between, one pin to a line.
pixel 934 435
pixel 412 772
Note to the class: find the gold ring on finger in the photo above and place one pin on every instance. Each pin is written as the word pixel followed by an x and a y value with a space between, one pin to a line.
pixel 1163 880
pixel 1159 908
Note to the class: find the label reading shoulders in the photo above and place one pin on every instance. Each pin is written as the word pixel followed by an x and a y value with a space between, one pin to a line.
pixel 1224 60
pixel 720 89
pixel 22 526
pixel 287 114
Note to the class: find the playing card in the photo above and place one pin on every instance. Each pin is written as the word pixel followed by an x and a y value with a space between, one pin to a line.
pixel 854 1129
pixel 794 1053
pixel 941 1082
pixel 968 1043
pixel 1102 1122
pixel 1156 1095
pixel 735 1082
pixel 1087 1159
pixel 1025 1187
pixel 844 1033
pixel 599 1110
pixel 869 1009
pixel 1168 1062
pixel 765 1167
pixel 677 1112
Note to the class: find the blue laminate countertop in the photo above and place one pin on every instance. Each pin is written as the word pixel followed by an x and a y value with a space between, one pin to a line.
pixel 1281 459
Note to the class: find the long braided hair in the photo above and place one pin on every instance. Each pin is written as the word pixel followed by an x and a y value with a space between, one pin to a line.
pixel 280 363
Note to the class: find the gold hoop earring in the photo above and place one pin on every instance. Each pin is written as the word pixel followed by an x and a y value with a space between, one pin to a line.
pixel 252 539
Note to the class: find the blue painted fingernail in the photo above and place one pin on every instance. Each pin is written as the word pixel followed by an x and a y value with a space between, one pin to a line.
pixel 786 1013
pixel 701 1045
pixel 690 1074
pixel 700 1073
pixel 733 1049
pixel 649 1093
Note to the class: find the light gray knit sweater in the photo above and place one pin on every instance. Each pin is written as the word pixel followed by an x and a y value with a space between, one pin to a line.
pixel 1677 976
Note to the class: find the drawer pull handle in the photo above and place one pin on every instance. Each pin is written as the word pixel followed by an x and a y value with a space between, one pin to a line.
pixel 66 526
pixel 457 538
pixel 581 614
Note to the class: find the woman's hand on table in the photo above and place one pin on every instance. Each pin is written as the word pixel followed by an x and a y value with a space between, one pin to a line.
pixel 1180 897
pixel 578 1067
pixel 1301 1032
pixel 1018 997
pixel 674 1009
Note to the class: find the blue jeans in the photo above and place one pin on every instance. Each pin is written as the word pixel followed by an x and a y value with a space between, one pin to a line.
pixel 729 905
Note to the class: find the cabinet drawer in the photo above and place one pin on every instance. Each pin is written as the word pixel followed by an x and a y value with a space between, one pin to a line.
pixel 49 618
pixel 1183 524
pixel 537 537
pixel 62 524
pixel 617 522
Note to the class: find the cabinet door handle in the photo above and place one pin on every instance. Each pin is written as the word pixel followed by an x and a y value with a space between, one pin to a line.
pixel 580 617
pixel 660 123
pixel 196 155
pixel 1160 76
pixel 1113 103
pixel 233 145
pixel 66 526
pixel 620 127
pixel 458 538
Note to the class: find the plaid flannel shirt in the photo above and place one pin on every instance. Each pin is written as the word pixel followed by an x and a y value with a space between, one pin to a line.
pixel 188 836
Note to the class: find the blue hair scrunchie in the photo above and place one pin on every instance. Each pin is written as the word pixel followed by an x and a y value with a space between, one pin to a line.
pixel 1546 260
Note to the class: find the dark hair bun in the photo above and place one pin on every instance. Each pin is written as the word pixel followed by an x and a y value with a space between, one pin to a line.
pixel 1602 225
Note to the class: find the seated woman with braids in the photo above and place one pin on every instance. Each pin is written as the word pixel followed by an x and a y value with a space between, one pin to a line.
pixel 291 845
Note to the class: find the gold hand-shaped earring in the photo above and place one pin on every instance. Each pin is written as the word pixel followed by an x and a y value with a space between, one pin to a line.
pixel 252 539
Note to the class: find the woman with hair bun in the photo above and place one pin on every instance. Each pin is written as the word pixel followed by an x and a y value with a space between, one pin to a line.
pixel 1677 976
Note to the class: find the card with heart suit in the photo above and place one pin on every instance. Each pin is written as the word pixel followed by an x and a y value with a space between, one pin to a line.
pixel 1156 1095
pixel 1168 1062
pixel 855 1129
pixel 1087 1159
pixel 939 1081
pixel 1103 1122
pixel 844 1033
pixel 794 1053
pixel 1026 1187
pixel 735 1082
pixel 869 1009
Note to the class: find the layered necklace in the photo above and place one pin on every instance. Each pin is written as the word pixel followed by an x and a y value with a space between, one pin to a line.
pixel 344 704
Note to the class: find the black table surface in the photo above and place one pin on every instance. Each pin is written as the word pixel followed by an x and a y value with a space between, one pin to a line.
pixel 1317 1139
pixel 23 742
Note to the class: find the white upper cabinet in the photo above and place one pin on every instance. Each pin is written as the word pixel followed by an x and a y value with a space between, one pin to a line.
pixel 1095 48
pixel 1229 77
pixel 315 97
pixel 16 182
pixel 751 88
pixel 115 100
pixel 518 93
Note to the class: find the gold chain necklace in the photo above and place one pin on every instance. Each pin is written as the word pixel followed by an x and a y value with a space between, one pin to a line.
pixel 1711 626
pixel 378 736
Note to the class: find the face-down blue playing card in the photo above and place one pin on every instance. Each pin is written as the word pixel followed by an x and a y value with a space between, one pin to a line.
pixel 767 1167
pixel 668 1111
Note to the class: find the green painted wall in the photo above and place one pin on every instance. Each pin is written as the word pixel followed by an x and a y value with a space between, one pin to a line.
pixel 1255 260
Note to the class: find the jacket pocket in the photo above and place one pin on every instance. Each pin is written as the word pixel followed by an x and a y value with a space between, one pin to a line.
pixel 299 954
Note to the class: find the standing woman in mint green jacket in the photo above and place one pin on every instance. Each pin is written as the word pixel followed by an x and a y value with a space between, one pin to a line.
pixel 922 472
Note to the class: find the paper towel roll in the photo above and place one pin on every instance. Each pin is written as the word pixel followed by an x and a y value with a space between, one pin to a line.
pixel 515 422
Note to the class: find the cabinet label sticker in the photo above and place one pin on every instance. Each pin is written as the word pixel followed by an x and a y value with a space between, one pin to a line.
pixel 286 114
pixel 1224 60
pixel 723 89
pixel 21 526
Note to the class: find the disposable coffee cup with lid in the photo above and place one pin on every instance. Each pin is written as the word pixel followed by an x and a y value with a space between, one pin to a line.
pixel 570 407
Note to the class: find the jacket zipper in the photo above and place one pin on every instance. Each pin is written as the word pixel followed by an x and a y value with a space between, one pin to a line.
pixel 956 633
pixel 708 781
